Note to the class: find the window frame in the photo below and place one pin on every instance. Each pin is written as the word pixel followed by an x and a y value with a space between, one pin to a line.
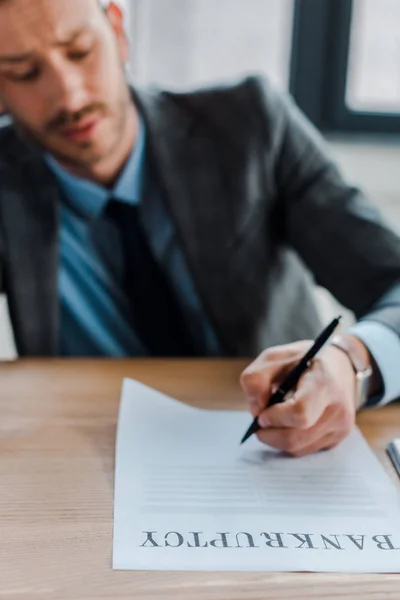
pixel 319 66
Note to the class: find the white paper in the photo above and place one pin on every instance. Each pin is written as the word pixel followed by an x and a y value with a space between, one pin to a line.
pixel 189 497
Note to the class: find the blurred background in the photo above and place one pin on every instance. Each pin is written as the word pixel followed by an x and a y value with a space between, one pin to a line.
pixel 340 59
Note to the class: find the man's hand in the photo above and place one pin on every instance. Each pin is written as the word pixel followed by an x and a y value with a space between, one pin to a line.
pixel 318 414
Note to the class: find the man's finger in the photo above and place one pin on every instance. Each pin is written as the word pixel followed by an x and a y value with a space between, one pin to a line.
pixel 301 410
pixel 258 379
pixel 291 440
pixel 327 442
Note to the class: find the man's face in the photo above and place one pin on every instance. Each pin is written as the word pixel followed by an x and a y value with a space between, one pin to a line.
pixel 62 77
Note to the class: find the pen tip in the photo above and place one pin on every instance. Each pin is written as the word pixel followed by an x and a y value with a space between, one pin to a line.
pixel 245 437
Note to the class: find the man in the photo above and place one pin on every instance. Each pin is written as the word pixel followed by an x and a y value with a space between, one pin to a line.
pixel 147 223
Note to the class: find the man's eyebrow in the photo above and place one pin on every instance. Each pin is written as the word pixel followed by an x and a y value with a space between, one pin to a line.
pixel 71 38
pixel 18 58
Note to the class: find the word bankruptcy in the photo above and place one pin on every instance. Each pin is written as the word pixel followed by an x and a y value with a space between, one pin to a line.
pixel 242 539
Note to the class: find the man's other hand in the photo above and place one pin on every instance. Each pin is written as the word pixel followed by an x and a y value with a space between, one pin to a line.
pixel 318 414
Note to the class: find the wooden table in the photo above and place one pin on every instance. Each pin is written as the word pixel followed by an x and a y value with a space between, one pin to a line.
pixel 57 433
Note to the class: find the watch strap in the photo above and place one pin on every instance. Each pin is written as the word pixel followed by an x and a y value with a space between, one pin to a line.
pixel 344 344
pixel 363 371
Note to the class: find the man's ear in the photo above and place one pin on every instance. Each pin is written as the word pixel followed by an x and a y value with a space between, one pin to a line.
pixel 115 15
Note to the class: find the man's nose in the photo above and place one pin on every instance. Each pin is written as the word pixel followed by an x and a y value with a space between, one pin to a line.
pixel 69 88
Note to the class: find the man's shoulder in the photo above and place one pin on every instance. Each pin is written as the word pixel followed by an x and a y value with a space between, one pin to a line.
pixel 239 90
pixel 9 142
pixel 233 104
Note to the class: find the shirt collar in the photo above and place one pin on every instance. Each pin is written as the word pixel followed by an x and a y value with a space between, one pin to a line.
pixel 91 198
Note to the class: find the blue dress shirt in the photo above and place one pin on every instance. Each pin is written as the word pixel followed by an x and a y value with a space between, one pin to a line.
pixel 94 310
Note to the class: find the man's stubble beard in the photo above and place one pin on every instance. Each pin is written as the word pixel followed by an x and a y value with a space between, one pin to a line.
pixel 89 157
pixel 120 119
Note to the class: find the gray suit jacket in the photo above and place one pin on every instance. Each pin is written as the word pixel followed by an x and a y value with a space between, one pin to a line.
pixel 259 206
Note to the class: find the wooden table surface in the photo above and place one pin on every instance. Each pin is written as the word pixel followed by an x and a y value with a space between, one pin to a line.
pixel 57 434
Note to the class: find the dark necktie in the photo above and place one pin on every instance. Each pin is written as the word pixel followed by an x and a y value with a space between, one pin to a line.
pixel 156 316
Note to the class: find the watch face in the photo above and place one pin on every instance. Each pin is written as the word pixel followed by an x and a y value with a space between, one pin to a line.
pixel 363 378
pixel 364 375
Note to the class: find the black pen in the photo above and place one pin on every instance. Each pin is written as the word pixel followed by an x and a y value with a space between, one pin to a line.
pixel 293 377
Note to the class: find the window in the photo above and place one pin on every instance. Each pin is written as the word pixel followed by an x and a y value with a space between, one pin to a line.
pixel 182 43
pixel 346 64
pixel 373 79
pixel 339 58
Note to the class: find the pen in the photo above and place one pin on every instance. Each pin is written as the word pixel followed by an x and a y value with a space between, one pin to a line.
pixel 293 377
pixel 393 450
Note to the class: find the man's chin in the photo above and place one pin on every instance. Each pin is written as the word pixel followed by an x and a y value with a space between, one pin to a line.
pixel 82 154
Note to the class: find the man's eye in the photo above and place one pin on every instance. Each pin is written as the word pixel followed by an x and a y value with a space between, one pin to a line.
pixel 28 76
pixel 79 55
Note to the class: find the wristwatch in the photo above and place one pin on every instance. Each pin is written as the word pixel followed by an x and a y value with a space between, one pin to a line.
pixel 363 371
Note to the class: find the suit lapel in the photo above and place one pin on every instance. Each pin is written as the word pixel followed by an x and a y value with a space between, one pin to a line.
pixel 184 162
pixel 30 216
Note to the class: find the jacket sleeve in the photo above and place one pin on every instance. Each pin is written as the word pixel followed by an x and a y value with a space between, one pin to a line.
pixel 2 286
pixel 339 234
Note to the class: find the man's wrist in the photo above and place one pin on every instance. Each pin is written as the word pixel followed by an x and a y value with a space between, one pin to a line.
pixel 361 359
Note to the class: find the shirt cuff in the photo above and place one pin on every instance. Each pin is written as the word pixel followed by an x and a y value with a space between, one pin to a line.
pixel 384 346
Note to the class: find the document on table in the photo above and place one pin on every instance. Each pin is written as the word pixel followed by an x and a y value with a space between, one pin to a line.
pixel 188 497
